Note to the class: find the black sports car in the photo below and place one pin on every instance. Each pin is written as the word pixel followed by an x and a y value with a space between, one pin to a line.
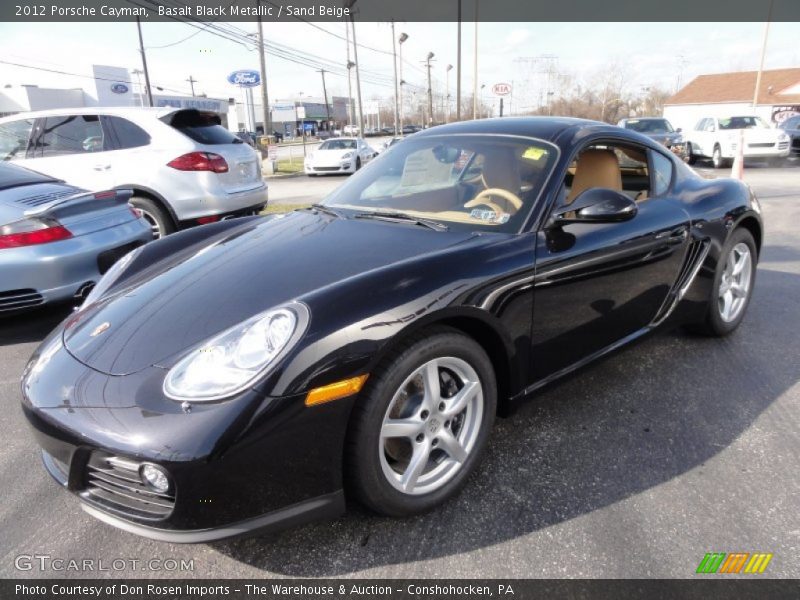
pixel 255 373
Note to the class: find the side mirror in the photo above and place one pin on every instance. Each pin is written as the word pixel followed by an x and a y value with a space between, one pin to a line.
pixel 596 205
pixel 679 130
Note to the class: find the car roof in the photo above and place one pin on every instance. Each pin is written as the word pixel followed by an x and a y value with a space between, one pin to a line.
pixel 129 111
pixel 544 128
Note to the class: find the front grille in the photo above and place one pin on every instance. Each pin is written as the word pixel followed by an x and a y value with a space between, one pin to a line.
pixel 16 299
pixel 40 199
pixel 327 168
pixel 783 145
pixel 761 145
pixel 113 483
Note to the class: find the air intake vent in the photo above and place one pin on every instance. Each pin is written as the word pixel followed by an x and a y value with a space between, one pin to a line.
pixel 16 299
pixel 46 198
pixel 113 483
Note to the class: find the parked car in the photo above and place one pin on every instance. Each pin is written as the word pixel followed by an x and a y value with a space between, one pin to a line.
pixel 367 342
pixel 792 128
pixel 718 138
pixel 184 168
pixel 339 155
pixel 57 240
pixel 389 143
pixel 350 130
pixel 409 129
pixel 656 128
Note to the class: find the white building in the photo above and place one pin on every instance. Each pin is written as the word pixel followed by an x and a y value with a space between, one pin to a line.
pixel 729 94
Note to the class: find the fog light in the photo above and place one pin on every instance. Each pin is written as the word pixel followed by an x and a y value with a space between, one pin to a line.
pixel 155 478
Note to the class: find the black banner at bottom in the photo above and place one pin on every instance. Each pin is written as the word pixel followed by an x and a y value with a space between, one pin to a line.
pixel 397 589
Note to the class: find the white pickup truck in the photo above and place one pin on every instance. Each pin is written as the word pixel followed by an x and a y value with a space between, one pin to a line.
pixel 718 138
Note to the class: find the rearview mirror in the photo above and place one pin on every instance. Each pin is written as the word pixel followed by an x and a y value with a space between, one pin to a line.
pixel 597 205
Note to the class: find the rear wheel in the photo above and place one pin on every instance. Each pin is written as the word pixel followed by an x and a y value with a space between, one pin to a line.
pixel 421 424
pixel 716 158
pixel 733 285
pixel 157 218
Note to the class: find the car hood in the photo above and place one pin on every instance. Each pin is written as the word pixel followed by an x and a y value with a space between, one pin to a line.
pixel 330 156
pixel 182 300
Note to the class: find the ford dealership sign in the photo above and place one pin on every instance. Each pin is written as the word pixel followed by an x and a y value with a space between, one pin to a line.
pixel 245 78
pixel 119 88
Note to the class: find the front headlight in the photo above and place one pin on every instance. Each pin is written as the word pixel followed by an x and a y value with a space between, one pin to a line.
pixel 231 361
pixel 107 280
pixel 347 155
pixel 782 137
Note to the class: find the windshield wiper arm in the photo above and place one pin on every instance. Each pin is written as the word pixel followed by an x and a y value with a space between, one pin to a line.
pixel 327 210
pixel 403 217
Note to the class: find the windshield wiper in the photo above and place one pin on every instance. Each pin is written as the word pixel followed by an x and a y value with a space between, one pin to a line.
pixel 327 210
pixel 402 217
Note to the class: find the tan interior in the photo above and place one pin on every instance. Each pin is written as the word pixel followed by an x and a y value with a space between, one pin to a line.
pixel 595 168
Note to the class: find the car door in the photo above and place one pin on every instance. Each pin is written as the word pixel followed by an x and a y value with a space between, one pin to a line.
pixel 73 148
pixel 598 284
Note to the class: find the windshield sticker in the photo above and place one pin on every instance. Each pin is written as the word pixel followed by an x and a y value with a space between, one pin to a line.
pixel 534 153
pixel 489 216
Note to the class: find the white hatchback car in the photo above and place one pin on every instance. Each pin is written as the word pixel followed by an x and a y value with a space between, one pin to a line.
pixel 184 168
pixel 339 155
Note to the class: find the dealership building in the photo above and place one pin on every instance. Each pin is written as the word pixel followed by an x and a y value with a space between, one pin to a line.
pixel 729 94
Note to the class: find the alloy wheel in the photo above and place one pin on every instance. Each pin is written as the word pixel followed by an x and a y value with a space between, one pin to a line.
pixel 734 287
pixel 431 425
pixel 151 221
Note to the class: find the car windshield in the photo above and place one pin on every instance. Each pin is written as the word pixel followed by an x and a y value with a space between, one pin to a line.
pixel 649 125
pixel 338 145
pixel 742 123
pixel 469 182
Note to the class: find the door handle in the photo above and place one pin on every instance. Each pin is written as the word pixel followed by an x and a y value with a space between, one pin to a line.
pixel 102 167
pixel 676 236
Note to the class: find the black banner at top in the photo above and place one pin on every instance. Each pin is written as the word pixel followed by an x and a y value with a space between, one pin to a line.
pixel 402 10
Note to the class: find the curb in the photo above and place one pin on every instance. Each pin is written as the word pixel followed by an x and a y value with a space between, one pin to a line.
pixel 283 175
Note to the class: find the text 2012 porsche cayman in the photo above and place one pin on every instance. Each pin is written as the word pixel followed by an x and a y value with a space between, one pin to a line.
pixel 255 373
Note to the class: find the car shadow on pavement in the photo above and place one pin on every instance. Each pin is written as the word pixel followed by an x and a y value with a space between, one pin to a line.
pixel 31 326
pixel 636 420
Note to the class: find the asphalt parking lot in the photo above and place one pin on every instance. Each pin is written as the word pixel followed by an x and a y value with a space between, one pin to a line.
pixel 634 467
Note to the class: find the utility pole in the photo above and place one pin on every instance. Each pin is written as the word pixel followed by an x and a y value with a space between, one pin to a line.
pixel 403 37
pixel 350 65
pixel 763 54
pixel 325 93
pixel 396 84
pixel 144 64
pixel 349 4
pixel 192 81
pixel 262 62
pixel 458 67
pixel 430 90
pixel 475 69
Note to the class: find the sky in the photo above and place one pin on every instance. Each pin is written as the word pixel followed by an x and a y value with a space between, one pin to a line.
pixel 650 54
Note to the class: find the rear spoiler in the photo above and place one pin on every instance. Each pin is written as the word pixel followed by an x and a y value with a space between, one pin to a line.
pixel 78 202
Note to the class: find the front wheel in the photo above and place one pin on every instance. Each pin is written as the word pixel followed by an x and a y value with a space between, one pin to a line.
pixel 717 160
pixel 157 218
pixel 421 423
pixel 733 285
pixel 690 157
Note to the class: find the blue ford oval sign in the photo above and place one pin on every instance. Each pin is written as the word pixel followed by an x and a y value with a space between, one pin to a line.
pixel 119 88
pixel 245 78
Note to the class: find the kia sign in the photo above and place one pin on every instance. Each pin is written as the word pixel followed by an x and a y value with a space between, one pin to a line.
pixel 501 89
pixel 245 78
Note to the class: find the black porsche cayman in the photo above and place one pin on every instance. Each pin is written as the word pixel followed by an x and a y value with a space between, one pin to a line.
pixel 256 373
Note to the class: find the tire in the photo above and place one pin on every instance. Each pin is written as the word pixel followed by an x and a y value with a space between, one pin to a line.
pixel 716 323
pixel 358 163
pixel 160 222
pixel 717 160
pixel 690 158
pixel 379 467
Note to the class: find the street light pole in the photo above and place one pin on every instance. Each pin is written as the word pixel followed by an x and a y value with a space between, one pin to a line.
pixel 396 83
pixel 447 93
pixel 763 54
pixel 263 64
pixel 325 94
pixel 144 64
pixel 403 38
pixel 350 65
pixel 430 90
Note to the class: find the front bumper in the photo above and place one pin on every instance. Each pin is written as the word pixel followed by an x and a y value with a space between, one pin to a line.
pixel 348 167
pixel 56 271
pixel 250 463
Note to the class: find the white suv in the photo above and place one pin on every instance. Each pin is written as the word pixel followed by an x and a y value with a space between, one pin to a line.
pixel 184 168
pixel 717 138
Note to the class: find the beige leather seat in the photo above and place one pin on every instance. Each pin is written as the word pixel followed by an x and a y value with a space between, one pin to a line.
pixel 595 168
